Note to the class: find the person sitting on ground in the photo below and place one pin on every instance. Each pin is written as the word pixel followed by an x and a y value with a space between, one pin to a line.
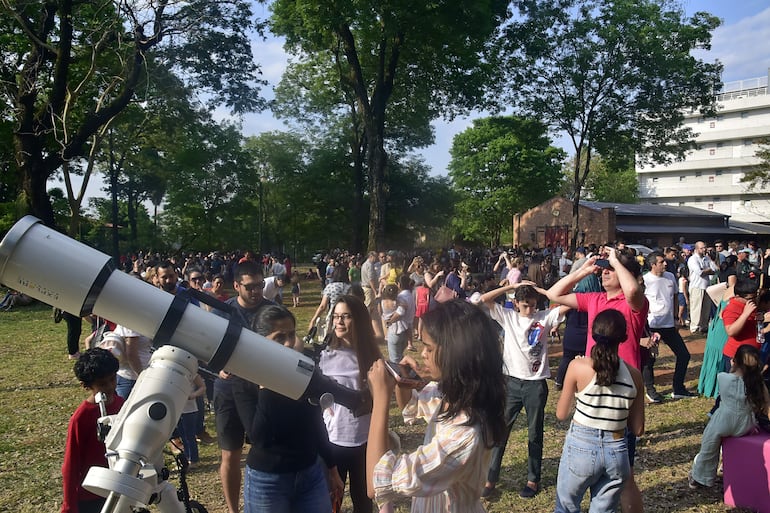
pixel 96 370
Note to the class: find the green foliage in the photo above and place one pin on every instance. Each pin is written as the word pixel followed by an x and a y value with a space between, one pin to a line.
pixel 499 166
pixel 69 68
pixel 211 168
pixel 758 177
pixel 610 74
pixel 611 180
pixel 402 63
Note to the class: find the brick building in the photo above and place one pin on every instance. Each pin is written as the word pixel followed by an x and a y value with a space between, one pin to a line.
pixel 651 225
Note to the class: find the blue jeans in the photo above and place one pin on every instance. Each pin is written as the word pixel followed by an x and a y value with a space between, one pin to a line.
pixel 124 386
pixel 187 428
pixel 595 459
pixel 396 345
pixel 305 491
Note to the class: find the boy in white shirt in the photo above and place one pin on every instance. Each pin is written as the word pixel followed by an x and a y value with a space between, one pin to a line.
pixel 525 368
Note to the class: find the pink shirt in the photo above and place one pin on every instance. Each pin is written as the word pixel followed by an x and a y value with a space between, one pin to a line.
pixel 595 302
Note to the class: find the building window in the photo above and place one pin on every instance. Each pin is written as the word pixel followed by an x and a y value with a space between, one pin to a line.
pixel 744 114
pixel 719 172
pixel 717 199
pixel 747 142
pixel 746 203
pixel 698 174
pixel 682 178
pixel 712 152
pixel 697 200
pixel 711 206
pixel 711 179
pixel 712 124
pixel 681 203
pixel 655 179
pixel 720 144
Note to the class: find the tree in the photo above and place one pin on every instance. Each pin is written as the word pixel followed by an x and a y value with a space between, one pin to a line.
pixel 499 166
pixel 611 180
pixel 758 177
pixel 68 68
pixel 430 52
pixel 611 74
pixel 211 168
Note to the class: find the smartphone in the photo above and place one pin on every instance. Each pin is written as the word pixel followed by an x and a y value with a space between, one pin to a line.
pixel 404 374
pixel 603 263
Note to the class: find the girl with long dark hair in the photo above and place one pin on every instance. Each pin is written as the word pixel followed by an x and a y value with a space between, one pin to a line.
pixel 462 403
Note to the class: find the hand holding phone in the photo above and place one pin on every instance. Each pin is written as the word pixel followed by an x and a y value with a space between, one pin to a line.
pixel 405 375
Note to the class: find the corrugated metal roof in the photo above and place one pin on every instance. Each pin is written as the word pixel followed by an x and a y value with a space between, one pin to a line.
pixel 627 209
pixel 750 228
pixel 682 229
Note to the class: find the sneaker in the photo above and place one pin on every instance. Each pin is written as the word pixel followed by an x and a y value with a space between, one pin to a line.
pixel 528 493
pixel 693 484
pixel 73 356
pixel 205 438
pixel 487 491
pixel 654 397
pixel 684 394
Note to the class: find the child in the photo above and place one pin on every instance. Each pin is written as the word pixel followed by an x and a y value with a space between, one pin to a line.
pixel 188 422
pixel 295 289
pixel 393 312
pixel 406 298
pixel 609 400
pixel 743 394
pixel 96 369
pixel 463 406
pixel 740 321
pixel 525 354
pixel 422 300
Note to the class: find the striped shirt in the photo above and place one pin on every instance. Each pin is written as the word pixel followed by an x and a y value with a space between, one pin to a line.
pixel 606 407
pixel 446 473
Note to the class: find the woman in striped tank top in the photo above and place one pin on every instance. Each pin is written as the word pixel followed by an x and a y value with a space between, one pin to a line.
pixel 608 402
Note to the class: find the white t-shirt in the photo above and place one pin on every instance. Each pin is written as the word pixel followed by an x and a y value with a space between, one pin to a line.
pixel 271 289
pixel 525 347
pixel 145 352
pixel 660 292
pixel 344 429
pixel 696 265
pixel 407 298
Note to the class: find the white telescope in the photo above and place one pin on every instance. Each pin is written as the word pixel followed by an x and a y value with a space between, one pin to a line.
pixel 67 274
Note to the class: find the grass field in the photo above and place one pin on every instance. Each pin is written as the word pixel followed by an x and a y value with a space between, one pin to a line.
pixel 38 392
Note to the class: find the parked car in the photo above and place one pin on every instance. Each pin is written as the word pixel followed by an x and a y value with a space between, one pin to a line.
pixel 640 249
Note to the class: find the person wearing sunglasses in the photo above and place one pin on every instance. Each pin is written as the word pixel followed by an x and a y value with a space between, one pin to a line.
pixel 248 283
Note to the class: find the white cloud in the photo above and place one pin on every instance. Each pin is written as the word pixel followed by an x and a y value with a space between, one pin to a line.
pixel 742 48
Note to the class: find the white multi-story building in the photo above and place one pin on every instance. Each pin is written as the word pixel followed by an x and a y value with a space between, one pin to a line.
pixel 710 176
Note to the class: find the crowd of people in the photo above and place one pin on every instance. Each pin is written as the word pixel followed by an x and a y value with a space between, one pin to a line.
pixel 481 321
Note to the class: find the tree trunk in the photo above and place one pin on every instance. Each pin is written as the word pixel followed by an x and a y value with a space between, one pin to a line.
pixel 357 148
pixel 34 179
pixel 376 162
pixel 114 198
